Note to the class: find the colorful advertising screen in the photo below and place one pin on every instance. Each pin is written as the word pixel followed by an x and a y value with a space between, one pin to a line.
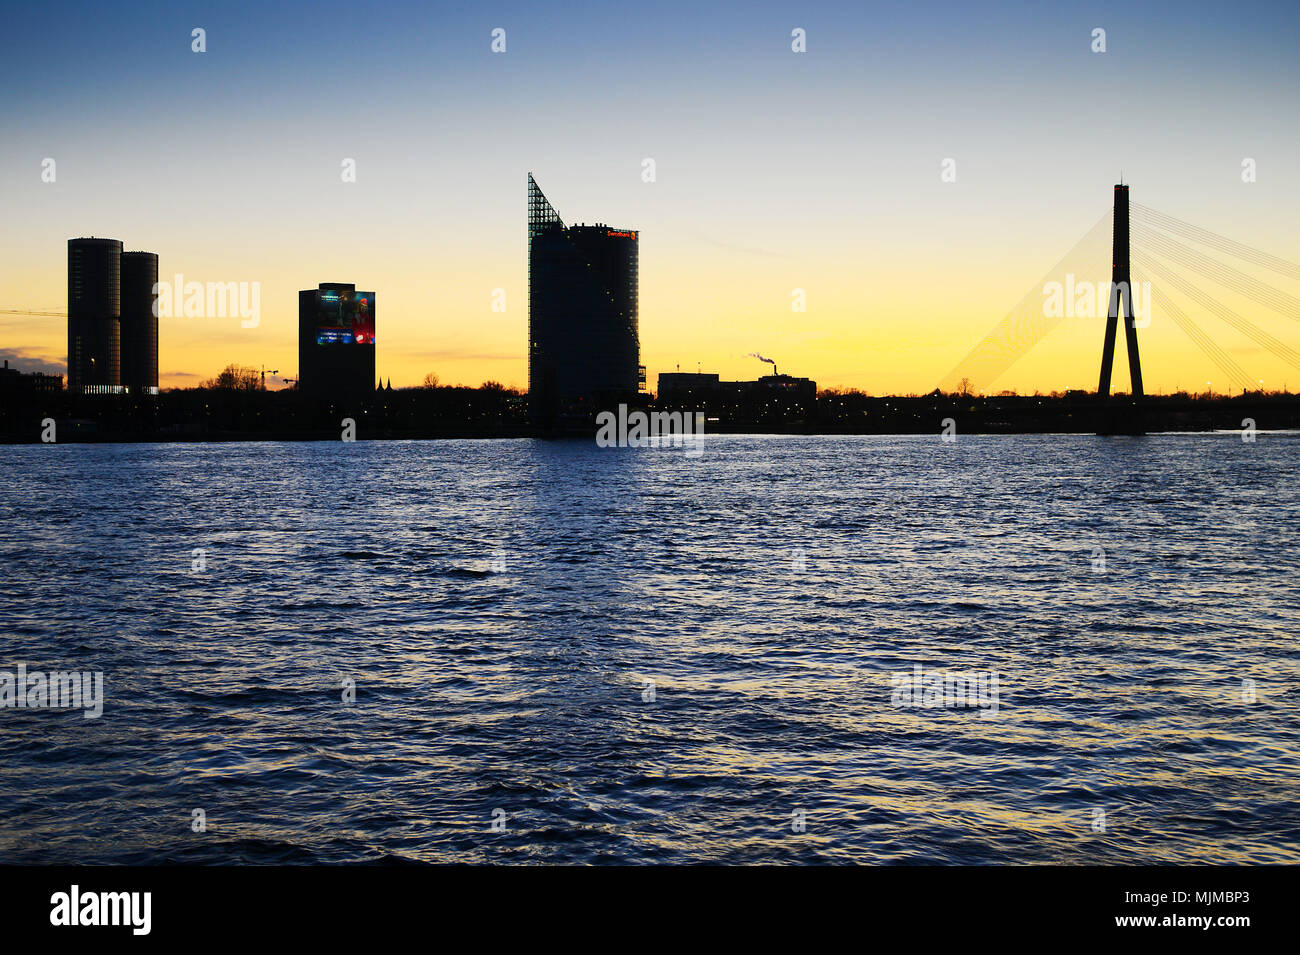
pixel 346 318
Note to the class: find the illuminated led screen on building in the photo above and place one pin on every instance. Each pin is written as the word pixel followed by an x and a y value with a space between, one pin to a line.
pixel 346 318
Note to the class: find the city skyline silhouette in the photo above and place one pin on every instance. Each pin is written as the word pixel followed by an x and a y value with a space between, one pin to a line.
pixel 1010 340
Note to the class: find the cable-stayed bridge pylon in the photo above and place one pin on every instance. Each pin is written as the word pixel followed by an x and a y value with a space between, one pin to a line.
pixel 1176 258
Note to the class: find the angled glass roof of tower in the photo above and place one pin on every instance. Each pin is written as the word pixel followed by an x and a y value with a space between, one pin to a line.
pixel 541 214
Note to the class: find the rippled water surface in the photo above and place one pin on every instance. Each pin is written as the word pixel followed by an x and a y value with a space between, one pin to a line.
pixel 631 655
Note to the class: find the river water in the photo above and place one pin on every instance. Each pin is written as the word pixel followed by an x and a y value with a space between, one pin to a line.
pixel 479 651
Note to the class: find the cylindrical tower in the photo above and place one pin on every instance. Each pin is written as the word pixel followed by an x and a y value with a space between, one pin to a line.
pixel 94 315
pixel 139 322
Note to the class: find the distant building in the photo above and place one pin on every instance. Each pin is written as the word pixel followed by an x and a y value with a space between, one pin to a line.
pixel 15 382
pixel 677 386
pixel 139 323
pixel 94 316
pixel 772 399
pixel 336 341
pixel 682 383
pixel 583 345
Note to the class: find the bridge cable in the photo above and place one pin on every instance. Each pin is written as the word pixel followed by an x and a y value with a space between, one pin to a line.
pixel 1025 325
pixel 1224 275
pixel 1214 240
pixel 1203 341
pixel 1276 347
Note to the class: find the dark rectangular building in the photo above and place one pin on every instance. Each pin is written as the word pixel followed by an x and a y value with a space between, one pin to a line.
pixel 776 400
pixel 583 344
pixel 683 386
pixel 15 382
pixel 336 342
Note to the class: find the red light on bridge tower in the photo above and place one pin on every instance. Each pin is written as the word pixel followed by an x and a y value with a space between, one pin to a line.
pixel 1121 299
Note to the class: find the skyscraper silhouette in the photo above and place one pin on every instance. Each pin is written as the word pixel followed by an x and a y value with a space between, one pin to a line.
pixel 139 323
pixel 94 316
pixel 583 346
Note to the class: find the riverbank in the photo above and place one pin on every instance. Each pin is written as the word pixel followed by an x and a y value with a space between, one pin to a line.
pixel 199 415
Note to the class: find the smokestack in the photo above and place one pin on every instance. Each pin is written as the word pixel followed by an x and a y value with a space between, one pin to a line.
pixel 755 354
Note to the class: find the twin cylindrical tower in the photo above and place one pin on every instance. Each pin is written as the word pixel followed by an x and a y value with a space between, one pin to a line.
pixel 112 327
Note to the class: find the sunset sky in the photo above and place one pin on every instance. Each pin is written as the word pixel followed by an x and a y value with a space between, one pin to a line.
pixel 775 171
